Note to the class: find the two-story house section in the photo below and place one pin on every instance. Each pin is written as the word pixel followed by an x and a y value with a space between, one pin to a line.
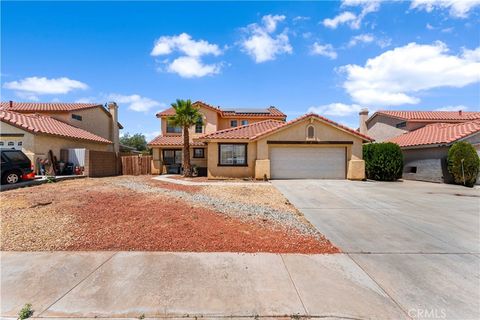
pixel 260 144
pixel 167 147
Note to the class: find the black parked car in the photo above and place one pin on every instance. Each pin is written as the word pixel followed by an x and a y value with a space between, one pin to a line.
pixel 16 166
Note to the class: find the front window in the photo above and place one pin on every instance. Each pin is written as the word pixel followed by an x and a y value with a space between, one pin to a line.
pixel 199 153
pixel 244 122
pixel 199 126
pixel 233 123
pixel 232 154
pixel 77 117
pixel 171 128
pixel 172 157
pixel 401 124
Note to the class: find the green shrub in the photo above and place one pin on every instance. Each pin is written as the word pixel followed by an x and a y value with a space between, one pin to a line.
pixel 26 312
pixel 463 163
pixel 383 161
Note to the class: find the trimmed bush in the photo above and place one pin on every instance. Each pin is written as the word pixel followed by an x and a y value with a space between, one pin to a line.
pixel 383 161
pixel 463 152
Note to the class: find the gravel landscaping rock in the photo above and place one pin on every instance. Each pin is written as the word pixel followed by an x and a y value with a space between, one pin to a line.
pixel 290 219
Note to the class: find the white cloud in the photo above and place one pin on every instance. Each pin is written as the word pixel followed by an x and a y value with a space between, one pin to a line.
pixel 369 38
pixel 353 20
pixel 361 38
pixel 185 44
pixel 342 18
pixel 301 18
pixel 452 108
pixel 135 102
pixel 457 8
pixel 189 64
pixel 324 50
pixel 394 77
pixel 262 44
pixel 33 86
pixel 336 109
pixel 191 67
pixel 429 26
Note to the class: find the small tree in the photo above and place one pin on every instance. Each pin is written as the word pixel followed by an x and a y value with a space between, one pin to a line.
pixel 186 115
pixel 463 163
pixel 383 161
pixel 136 141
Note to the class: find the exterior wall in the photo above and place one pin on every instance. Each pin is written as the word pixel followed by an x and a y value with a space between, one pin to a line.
pixel 94 120
pixel 430 164
pixel 323 132
pixel 222 172
pixel 157 161
pixel 210 120
pixel 101 163
pixel 382 128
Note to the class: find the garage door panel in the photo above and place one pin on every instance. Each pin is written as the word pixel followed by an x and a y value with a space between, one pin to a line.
pixel 307 163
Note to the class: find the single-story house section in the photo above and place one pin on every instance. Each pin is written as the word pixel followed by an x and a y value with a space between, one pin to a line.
pixel 309 147
pixel 425 150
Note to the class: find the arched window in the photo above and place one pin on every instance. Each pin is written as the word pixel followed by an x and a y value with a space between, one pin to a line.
pixel 310 132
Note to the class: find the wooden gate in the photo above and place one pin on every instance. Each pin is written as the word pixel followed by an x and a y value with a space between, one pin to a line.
pixel 136 165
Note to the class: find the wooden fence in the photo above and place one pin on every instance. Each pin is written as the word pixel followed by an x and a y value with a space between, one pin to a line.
pixel 136 165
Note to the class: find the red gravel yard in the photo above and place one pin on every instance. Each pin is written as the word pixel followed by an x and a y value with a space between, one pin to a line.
pixel 138 213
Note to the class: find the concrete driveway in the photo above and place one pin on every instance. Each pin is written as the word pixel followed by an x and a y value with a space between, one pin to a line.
pixel 418 241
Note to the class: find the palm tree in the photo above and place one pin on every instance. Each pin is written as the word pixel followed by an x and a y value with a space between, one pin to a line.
pixel 186 115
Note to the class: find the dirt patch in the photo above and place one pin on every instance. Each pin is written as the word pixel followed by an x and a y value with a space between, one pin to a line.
pixel 101 214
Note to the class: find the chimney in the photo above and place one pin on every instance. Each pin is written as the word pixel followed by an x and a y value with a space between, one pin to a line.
pixel 115 134
pixel 460 113
pixel 363 116
pixel 11 104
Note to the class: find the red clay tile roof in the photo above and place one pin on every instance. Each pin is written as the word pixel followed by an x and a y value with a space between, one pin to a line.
pixel 244 132
pixel 43 106
pixel 269 112
pixel 437 133
pixel 47 125
pixel 430 115
pixel 171 112
pixel 308 115
pixel 174 141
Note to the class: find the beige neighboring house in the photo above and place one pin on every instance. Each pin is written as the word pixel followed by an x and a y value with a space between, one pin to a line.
pixel 424 137
pixel 259 143
pixel 35 128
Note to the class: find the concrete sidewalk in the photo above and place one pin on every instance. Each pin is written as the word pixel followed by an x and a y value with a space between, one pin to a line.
pixel 129 284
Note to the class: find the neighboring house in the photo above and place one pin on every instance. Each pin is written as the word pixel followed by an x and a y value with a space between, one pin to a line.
pixel 424 136
pixel 383 125
pixel 425 150
pixel 260 144
pixel 36 128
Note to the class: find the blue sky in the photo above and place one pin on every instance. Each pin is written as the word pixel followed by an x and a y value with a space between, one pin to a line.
pixel 328 57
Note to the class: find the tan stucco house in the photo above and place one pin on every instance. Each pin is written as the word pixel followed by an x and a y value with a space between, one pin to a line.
pixel 424 137
pixel 36 128
pixel 259 143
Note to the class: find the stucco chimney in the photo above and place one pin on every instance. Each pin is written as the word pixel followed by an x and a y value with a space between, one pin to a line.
pixel 115 134
pixel 363 116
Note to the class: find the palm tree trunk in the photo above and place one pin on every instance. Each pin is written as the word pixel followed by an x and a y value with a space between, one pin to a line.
pixel 187 168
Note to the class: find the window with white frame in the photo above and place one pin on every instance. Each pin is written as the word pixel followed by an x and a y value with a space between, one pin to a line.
pixel 234 154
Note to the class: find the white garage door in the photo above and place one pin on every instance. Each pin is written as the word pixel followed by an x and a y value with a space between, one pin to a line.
pixel 307 163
